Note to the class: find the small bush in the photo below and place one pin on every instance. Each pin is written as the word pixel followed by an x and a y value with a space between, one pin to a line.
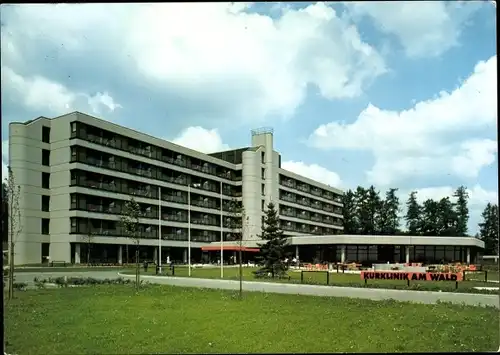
pixel 20 286
pixel 81 281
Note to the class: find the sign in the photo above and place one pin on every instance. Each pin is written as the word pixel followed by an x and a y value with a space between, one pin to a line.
pixel 414 276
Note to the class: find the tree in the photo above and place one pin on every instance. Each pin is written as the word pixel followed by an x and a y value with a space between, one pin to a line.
pixel 413 215
pixel 131 228
pixel 461 211
pixel 237 224
pixel 89 238
pixel 446 218
pixel 14 222
pixel 351 225
pixel 430 218
pixel 389 214
pixel 368 205
pixel 273 251
pixel 488 229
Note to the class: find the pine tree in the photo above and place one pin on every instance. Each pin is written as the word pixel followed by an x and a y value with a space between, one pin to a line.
pixel 461 210
pixel 413 215
pixel 273 251
pixel 351 225
pixel 389 214
pixel 430 218
pixel 446 218
pixel 488 229
pixel 367 207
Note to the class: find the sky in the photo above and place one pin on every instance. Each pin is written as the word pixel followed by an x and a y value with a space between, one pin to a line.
pixel 396 94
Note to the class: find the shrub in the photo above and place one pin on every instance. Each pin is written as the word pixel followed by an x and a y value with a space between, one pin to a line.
pixel 20 286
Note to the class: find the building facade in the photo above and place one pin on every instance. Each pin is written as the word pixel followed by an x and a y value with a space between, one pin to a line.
pixel 76 172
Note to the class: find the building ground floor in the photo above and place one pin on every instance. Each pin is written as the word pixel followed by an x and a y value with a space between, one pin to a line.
pixel 365 250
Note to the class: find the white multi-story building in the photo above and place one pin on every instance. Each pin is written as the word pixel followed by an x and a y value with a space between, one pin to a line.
pixel 76 172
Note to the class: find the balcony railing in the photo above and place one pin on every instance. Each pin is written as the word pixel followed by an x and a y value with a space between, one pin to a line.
pixel 288 213
pixel 288 198
pixel 288 183
pixel 303 202
pixel 150 152
pixel 174 218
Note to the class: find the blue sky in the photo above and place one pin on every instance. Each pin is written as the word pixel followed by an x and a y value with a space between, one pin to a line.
pixel 395 94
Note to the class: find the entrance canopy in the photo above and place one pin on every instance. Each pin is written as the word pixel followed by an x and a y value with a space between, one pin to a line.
pixel 229 248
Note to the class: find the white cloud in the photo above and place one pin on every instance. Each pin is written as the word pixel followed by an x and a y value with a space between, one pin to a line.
pixel 102 99
pixel 37 92
pixel 424 28
pixel 5 159
pixel 201 139
pixel 216 52
pixel 424 140
pixel 313 171
pixel 41 94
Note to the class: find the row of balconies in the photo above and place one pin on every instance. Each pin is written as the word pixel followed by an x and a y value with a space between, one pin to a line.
pixel 316 191
pixel 304 201
pixel 305 228
pixel 291 212
pixel 112 140
pixel 153 173
pixel 138 189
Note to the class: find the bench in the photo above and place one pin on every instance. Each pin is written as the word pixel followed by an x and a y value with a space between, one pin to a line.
pixel 57 263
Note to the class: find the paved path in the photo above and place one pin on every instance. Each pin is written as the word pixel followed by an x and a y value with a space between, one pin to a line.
pixel 426 297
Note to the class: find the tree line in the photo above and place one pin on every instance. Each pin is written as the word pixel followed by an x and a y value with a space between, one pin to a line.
pixel 367 212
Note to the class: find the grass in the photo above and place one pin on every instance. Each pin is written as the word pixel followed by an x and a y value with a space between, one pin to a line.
pixel 340 279
pixel 166 319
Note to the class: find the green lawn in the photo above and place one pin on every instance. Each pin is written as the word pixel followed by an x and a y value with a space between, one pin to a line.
pixel 164 319
pixel 339 279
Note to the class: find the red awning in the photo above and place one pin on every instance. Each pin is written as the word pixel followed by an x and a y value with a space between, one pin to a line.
pixel 229 248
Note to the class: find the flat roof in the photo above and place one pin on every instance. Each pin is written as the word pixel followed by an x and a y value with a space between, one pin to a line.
pixel 349 239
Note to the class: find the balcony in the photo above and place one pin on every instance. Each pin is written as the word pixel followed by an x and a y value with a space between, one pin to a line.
pixel 205 221
pixel 304 216
pixel 289 198
pixel 327 208
pixel 288 183
pixel 317 192
pixel 316 218
pixel 288 212
pixel 174 217
pixel 108 186
pixel 303 187
pixel 288 227
pixel 174 199
pixel 303 202
pixel 317 205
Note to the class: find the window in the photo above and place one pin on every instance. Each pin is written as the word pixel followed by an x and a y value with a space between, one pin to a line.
pixel 263 189
pixel 73 225
pixel 263 173
pixel 73 130
pixel 45 226
pixel 45 157
pixel 45 203
pixel 46 134
pixel 73 201
pixel 263 205
pixel 263 157
pixel 46 180
pixel 73 154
